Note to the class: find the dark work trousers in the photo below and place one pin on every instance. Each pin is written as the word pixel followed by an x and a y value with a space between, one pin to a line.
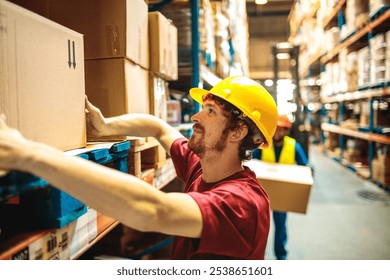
pixel 280 241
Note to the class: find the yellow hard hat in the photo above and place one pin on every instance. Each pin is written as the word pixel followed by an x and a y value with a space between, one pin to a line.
pixel 248 96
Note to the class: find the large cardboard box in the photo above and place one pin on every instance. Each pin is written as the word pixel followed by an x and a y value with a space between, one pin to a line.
pixel 163 46
pixel 288 186
pixel 111 28
pixel 117 86
pixel 42 78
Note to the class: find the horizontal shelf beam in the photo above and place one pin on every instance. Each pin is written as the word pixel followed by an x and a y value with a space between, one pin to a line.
pixel 357 95
pixel 333 14
pixel 371 137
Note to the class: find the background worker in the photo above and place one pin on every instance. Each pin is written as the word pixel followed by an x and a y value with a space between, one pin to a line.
pixel 222 214
pixel 284 150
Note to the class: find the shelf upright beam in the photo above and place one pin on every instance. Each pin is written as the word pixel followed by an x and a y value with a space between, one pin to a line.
pixel 371 145
pixel 341 136
pixel 274 92
pixel 195 39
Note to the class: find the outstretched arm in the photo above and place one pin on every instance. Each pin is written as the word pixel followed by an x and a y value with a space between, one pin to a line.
pixel 121 196
pixel 140 125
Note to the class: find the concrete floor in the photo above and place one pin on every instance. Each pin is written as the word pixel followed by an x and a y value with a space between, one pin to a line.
pixel 348 218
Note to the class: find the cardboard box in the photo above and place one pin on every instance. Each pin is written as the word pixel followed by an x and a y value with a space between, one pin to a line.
pixel 163 46
pixel 380 172
pixel 117 86
pixel 114 28
pixel 78 236
pixel 158 91
pixel 153 157
pixel 54 245
pixel 384 160
pixel 288 186
pixel 42 78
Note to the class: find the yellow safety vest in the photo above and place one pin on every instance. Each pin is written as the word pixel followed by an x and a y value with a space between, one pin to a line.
pixel 287 155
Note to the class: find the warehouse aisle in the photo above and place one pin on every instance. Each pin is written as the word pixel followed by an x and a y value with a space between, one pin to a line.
pixel 348 218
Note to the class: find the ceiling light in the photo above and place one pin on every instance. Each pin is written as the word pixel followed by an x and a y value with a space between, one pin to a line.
pixel 261 2
pixel 269 83
pixel 282 55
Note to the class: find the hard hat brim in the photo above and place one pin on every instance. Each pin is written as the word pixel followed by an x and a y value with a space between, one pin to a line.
pixel 198 93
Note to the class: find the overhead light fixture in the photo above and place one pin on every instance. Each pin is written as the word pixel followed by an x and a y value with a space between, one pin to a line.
pixel 283 56
pixel 261 2
pixel 269 83
pixel 284 45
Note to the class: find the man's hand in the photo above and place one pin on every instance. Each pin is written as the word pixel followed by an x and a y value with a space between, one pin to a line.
pixel 95 120
pixel 12 147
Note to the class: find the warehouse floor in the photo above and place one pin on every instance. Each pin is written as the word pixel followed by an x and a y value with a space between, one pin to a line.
pixel 348 218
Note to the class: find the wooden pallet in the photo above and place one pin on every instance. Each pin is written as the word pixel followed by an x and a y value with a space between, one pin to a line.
pixel 145 154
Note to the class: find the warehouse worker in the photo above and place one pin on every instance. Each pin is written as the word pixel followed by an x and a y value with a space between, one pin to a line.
pixel 223 213
pixel 284 150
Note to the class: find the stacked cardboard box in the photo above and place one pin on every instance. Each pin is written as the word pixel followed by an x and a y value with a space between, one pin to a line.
pixel 42 80
pixel 378 58
pixel 117 86
pixel 381 116
pixel 363 56
pixel 354 9
pixel 376 6
pixel 163 47
pixel 120 67
pixel 381 169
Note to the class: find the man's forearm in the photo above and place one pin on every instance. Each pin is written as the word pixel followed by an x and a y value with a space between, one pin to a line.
pixel 125 198
pixel 142 125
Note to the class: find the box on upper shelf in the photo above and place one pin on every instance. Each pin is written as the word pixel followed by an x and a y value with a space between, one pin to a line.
pixel 115 28
pixel 117 86
pixel 42 80
pixel 163 46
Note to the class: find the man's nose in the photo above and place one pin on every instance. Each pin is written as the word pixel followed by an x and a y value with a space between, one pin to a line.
pixel 195 117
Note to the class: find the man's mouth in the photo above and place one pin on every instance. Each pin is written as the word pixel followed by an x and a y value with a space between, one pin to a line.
pixel 197 128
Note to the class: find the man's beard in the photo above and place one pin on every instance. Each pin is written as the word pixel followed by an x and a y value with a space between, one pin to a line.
pixel 198 145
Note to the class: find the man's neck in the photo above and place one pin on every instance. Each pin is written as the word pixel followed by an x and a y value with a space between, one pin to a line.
pixel 219 165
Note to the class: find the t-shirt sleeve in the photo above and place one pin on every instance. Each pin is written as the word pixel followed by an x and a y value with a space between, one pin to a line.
pixel 228 218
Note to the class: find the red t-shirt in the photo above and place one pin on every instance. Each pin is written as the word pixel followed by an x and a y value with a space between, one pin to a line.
pixel 235 212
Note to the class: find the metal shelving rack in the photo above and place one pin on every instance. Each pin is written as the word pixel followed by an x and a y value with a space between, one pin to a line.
pixel 378 23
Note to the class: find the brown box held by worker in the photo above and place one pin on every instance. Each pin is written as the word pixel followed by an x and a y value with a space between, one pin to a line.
pixel 42 80
pixel 114 28
pixel 288 186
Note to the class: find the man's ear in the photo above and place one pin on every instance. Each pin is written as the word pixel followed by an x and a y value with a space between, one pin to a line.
pixel 239 133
